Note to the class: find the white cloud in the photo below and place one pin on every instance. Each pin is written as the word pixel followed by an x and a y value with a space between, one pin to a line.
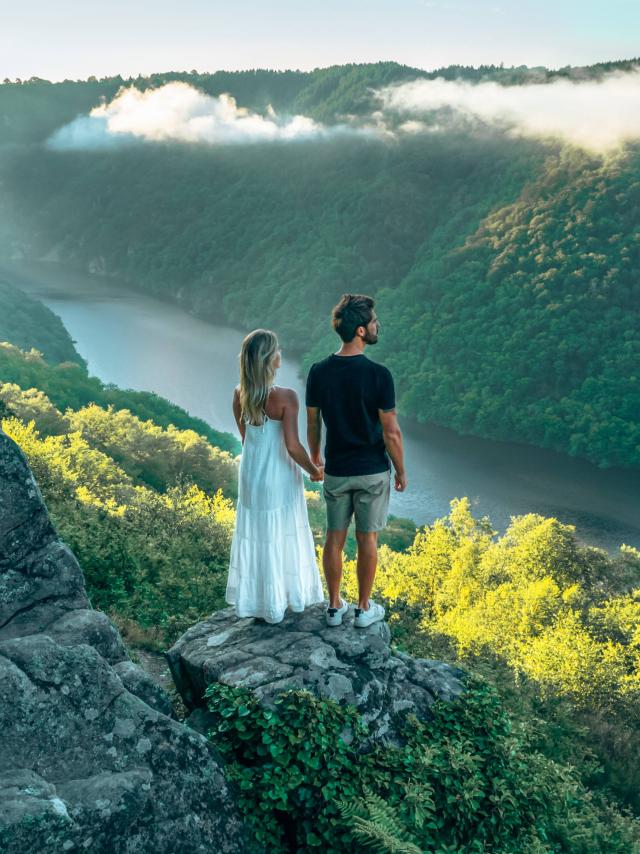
pixel 598 115
pixel 178 112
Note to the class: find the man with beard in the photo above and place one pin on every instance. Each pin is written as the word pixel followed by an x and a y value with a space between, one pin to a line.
pixel 355 399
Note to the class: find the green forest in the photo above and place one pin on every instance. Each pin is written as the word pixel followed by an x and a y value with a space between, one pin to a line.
pixel 504 268
pixel 28 323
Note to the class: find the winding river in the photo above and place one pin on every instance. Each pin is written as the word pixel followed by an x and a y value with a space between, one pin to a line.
pixel 140 342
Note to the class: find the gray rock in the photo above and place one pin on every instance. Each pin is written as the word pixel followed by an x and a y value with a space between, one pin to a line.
pixel 107 764
pixel 39 588
pixel 138 682
pixel 25 528
pixel 351 666
pixel 84 625
pixel 39 576
pixel 90 759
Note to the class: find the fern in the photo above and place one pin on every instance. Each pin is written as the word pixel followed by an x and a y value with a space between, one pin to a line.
pixel 379 825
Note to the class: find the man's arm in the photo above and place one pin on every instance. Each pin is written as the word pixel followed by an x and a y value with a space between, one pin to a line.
pixel 393 442
pixel 314 434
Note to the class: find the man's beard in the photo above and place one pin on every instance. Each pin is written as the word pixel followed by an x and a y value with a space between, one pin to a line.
pixel 371 338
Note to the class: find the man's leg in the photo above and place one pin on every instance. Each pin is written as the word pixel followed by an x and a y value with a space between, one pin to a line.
pixel 366 565
pixel 371 504
pixel 332 564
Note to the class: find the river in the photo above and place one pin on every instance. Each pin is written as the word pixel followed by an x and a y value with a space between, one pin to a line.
pixel 137 341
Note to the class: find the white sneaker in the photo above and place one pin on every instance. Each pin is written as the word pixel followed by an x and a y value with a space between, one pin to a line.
pixel 334 615
pixel 364 618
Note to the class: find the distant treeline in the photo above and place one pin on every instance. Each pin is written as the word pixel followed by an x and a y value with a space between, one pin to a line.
pixel 505 269
pixel 30 110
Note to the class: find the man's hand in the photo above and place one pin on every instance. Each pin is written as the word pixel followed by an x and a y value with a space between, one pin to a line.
pixel 401 482
pixel 320 476
pixel 392 436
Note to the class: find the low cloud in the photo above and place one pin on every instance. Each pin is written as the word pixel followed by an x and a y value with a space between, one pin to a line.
pixel 597 115
pixel 178 112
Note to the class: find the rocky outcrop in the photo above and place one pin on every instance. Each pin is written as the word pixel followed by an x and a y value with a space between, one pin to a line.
pixel 351 666
pixel 91 759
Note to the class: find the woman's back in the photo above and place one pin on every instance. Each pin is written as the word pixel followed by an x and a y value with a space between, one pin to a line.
pixel 268 477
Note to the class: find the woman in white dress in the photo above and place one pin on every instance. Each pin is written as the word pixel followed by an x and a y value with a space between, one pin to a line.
pixel 273 563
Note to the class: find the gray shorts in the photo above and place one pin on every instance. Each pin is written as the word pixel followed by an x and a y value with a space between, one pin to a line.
pixel 365 495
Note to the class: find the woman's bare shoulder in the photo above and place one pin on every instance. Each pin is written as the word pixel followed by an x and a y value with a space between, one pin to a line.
pixel 280 400
pixel 283 394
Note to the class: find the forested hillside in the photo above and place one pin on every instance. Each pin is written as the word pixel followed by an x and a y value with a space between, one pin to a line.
pixel 530 329
pixel 505 267
pixel 28 323
pixel 67 385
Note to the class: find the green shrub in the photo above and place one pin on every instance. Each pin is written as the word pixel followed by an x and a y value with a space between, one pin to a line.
pixel 467 780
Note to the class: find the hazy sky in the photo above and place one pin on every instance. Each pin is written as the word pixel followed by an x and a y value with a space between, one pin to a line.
pixel 76 39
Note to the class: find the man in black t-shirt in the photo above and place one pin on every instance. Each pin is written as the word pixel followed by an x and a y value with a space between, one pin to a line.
pixel 355 399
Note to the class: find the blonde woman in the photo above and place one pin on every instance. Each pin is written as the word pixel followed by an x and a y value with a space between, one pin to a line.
pixel 273 564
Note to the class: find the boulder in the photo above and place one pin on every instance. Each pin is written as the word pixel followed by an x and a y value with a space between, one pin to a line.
pixel 137 681
pixel 343 663
pixel 91 759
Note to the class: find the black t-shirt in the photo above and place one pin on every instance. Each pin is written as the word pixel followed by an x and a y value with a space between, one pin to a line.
pixel 350 390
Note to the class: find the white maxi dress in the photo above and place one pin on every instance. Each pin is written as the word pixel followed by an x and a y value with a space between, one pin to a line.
pixel 273 563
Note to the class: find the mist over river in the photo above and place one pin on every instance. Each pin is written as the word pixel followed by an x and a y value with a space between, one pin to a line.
pixel 140 342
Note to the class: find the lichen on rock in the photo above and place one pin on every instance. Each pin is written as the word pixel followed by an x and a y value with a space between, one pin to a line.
pixel 346 664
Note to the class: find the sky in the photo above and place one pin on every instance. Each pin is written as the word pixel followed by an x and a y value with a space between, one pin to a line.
pixel 75 40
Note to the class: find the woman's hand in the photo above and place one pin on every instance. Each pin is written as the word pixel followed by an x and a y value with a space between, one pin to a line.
pixel 319 475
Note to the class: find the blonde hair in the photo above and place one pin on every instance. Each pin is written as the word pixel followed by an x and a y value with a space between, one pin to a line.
pixel 257 372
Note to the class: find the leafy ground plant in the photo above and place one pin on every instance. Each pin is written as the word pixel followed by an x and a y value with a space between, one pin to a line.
pixel 466 780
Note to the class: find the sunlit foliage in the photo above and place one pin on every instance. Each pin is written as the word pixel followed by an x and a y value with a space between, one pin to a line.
pixel 558 613
pixel 158 558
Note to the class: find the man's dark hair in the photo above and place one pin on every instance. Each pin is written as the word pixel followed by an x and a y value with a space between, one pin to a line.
pixel 352 311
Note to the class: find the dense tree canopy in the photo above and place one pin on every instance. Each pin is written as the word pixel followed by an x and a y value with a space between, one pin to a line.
pixel 530 329
pixel 28 323
pixel 506 269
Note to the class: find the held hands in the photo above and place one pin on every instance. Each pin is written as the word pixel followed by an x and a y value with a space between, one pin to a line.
pixel 316 478
pixel 318 462
pixel 401 482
